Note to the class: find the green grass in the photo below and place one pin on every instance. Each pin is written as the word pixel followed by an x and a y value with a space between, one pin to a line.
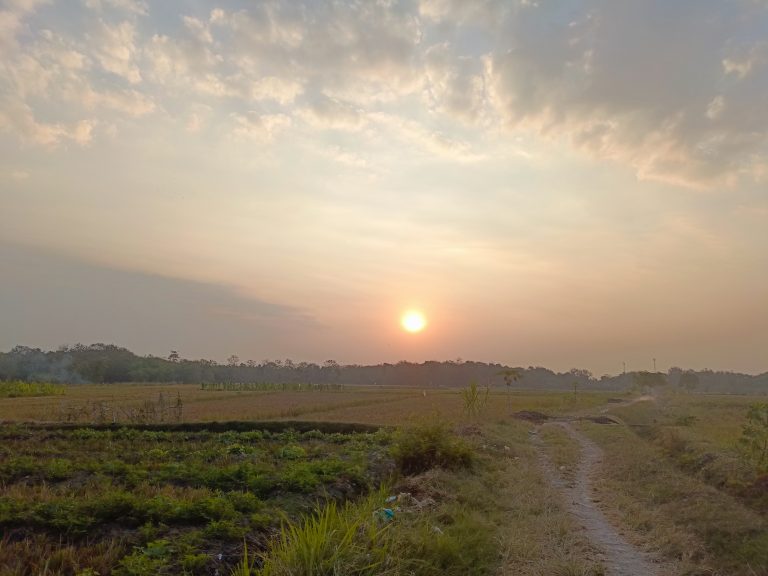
pixel 155 502
pixel 430 445
pixel 335 539
pixel 18 389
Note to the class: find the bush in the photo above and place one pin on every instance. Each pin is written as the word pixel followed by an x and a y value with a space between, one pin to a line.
pixel 418 449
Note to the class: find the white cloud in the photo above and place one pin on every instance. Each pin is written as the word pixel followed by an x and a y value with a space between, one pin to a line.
pixel 281 90
pixel 432 141
pixel 455 84
pixel 715 107
pixel 199 29
pixel 129 102
pixel 617 82
pixel 331 113
pixel 115 50
pixel 260 127
pixel 17 117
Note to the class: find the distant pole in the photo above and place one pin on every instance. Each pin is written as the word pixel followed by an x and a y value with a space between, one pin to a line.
pixel 625 367
pixel 654 364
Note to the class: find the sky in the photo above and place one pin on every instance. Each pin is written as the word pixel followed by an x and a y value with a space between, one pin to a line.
pixel 564 184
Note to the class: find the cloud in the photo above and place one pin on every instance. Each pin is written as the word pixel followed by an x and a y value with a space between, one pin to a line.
pixel 639 83
pixel 282 90
pixel 675 91
pixel 18 117
pixel 260 127
pixel 425 139
pixel 115 50
pixel 331 113
pixel 455 84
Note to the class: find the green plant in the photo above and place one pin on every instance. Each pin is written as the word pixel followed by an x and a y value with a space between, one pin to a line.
pixel 224 530
pixel 474 400
pixel 148 561
pixel 334 540
pixel 18 389
pixel 245 566
pixel 428 446
pixel 754 436
pixel 194 562
pixel 292 452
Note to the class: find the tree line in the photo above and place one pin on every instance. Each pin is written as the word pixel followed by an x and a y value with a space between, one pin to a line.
pixel 108 363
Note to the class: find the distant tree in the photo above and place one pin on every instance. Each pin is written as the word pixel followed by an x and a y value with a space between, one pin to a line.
pixel 510 375
pixel 648 381
pixel 233 360
pixel 174 356
pixel 333 369
pixel 688 381
pixel 581 374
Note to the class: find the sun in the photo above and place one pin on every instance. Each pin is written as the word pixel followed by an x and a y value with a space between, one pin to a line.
pixel 413 321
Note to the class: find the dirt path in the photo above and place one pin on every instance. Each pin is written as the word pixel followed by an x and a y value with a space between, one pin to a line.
pixel 619 557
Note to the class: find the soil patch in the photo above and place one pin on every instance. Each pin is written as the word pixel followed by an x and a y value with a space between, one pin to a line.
pixel 600 419
pixel 531 416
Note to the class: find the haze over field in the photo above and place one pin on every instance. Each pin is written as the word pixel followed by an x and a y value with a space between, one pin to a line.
pixel 564 184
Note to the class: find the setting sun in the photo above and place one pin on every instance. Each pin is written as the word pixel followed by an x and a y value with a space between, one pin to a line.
pixel 413 321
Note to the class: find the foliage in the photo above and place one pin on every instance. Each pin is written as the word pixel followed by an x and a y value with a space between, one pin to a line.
pixel 177 497
pixel 474 400
pixel 346 539
pixel 246 565
pixel 428 446
pixel 18 389
pixel 648 381
pixel 754 436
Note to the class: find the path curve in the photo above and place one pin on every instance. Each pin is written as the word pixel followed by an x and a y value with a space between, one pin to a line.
pixel 620 558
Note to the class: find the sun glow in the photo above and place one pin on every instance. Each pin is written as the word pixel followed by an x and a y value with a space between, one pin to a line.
pixel 413 321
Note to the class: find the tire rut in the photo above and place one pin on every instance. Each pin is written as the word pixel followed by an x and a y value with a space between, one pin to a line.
pixel 620 558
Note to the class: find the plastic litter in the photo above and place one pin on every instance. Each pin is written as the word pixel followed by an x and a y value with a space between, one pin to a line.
pixel 385 514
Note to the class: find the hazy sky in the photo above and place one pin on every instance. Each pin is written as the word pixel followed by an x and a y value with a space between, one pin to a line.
pixel 573 183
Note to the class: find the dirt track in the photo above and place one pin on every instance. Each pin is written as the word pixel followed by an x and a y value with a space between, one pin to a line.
pixel 619 557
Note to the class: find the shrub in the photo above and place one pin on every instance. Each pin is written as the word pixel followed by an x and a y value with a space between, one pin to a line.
pixel 194 562
pixel 224 530
pixel 418 449
pixel 292 452
pixel 754 436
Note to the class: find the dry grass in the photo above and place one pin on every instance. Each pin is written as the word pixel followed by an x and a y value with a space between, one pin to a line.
pixel 540 537
pixel 367 404
pixel 563 451
pixel 703 530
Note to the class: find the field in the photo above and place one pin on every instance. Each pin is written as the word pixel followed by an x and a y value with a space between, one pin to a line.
pixel 365 404
pixel 173 479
